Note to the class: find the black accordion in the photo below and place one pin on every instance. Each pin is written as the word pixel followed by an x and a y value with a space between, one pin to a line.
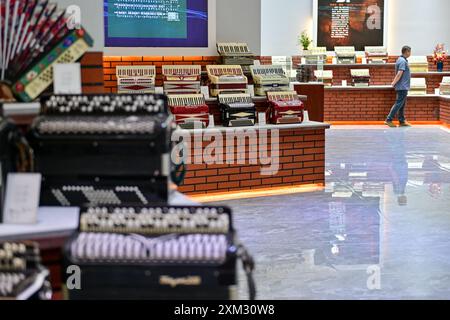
pixel 103 149
pixel 22 277
pixel 237 110
pixel 156 253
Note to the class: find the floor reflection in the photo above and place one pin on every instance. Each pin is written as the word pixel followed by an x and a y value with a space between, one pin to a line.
pixel 385 207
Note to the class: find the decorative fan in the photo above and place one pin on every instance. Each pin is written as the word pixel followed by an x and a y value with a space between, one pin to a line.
pixel 34 36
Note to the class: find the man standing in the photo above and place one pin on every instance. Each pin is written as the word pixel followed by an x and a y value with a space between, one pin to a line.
pixel 402 84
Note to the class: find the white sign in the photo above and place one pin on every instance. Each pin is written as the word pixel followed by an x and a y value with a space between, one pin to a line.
pixel 205 91
pixel 159 90
pixel 67 78
pixel 251 90
pixel 22 198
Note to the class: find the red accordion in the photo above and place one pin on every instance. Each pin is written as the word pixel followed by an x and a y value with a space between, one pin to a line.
pixel 285 108
pixel 189 109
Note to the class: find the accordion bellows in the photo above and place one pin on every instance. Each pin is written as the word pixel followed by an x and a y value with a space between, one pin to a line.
pixel 136 79
pixel 418 63
pixel 189 109
pixel 226 79
pixel 444 88
pixel 325 76
pixel 269 78
pixel 418 87
pixel 182 79
pixel 360 77
pixel 34 37
pixel 285 108
pixel 237 110
pixel 345 55
pixel 377 55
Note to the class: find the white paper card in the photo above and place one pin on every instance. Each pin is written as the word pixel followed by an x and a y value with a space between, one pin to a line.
pixel 303 61
pixel 22 198
pixel 262 119
pixel 211 121
pixel 67 78
pixel 159 90
pixel 437 91
pixel 256 62
pixel 364 60
pixel 334 60
pixel 251 90
pixel 344 83
pixel 205 91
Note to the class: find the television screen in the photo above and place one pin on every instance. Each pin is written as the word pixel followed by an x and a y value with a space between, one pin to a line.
pixel 156 23
pixel 357 23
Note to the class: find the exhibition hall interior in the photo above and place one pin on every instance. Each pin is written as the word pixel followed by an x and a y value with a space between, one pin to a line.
pixel 224 150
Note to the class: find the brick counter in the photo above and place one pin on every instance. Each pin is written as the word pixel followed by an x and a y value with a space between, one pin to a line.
pixel 301 161
pixel 374 104
pixel 445 110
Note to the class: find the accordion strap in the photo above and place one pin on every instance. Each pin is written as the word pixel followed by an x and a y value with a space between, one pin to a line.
pixel 249 266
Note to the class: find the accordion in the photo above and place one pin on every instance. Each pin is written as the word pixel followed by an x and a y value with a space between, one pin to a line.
pixel 236 54
pixel 226 79
pixel 34 37
pixel 418 63
pixel 189 109
pixel 182 79
pixel 102 149
pixel 285 108
pixel 444 88
pixel 22 277
pixel 304 73
pixel 345 55
pixel 316 55
pixel 360 77
pixel 269 78
pixel 418 87
pixel 156 253
pixel 377 55
pixel 325 76
pixel 237 110
pixel 136 79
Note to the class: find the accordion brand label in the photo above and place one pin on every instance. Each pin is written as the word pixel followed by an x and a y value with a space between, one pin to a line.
pixel 192 281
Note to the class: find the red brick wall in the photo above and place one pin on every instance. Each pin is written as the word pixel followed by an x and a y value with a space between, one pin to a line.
pixel 445 111
pixel 92 72
pixel 374 105
pixel 302 161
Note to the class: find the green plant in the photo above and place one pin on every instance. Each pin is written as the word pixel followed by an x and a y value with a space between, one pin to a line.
pixel 304 40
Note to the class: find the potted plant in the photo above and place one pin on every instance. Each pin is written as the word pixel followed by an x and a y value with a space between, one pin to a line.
pixel 305 41
pixel 439 56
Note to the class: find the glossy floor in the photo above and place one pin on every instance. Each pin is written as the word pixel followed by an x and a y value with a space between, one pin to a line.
pixel 380 229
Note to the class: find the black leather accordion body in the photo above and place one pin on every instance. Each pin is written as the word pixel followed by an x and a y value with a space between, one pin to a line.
pixel 101 150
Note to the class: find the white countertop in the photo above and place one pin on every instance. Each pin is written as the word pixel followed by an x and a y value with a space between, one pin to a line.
pixel 303 126
pixel 60 222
